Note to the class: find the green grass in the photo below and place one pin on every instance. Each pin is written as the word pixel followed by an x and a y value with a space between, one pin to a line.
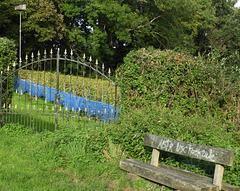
pixel 38 115
pixel 23 169
pixel 60 160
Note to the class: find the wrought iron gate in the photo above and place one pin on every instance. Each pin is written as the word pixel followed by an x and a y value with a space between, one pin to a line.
pixel 58 91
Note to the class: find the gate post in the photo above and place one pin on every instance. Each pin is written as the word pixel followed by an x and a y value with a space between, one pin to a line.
pixel 57 96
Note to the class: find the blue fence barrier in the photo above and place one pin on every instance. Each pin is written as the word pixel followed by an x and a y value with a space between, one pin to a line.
pixel 104 111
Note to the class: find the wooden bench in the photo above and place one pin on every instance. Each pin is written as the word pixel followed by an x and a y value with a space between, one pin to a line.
pixel 177 178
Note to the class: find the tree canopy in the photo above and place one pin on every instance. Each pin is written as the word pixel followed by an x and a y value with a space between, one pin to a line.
pixel 109 29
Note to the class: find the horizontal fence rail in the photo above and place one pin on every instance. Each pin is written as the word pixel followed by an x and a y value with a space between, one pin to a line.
pixel 45 93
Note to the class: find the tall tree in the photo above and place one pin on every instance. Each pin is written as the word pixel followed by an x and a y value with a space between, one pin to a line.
pixel 104 29
pixel 8 19
pixel 109 29
pixel 227 20
pixel 42 23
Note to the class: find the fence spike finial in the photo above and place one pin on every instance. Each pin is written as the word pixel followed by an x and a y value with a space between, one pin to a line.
pixel 32 55
pixel 51 51
pixel 96 62
pixel 71 53
pixel 8 68
pixel 14 64
pixel 103 66
pixel 90 59
pixel 65 52
pixel 38 54
pixel 45 52
pixel 109 71
pixel 26 57
pixel 84 56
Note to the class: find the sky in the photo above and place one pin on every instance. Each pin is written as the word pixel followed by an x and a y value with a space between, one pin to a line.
pixel 237 4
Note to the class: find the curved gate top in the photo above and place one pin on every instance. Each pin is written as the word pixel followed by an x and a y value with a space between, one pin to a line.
pixel 58 90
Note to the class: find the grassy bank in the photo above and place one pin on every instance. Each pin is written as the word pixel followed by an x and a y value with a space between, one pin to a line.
pixel 60 160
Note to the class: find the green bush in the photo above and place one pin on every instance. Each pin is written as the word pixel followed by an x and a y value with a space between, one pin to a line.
pixel 171 94
pixel 176 80
pixel 7 58
pixel 174 124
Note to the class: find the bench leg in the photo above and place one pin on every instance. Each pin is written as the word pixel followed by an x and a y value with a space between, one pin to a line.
pixel 155 157
pixel 218 175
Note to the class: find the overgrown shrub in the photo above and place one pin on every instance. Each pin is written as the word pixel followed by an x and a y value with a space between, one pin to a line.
pixel 176 80
pixel 7 58
pixel 174 95
pixel 172 123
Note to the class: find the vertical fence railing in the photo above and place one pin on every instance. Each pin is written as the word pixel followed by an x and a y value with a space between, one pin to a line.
pixel 59 91
pixel 57 95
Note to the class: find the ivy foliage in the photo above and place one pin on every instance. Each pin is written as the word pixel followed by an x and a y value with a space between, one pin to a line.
pixel 7 58
pixel 176 80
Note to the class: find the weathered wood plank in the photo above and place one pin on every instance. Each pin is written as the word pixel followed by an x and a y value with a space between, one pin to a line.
pixel 218 175
pixel 202 152
pixel 225 186
pixel 166 177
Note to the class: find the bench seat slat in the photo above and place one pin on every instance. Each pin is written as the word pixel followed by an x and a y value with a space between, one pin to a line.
pixel 202 152
pixel 225 186
pixel 166 176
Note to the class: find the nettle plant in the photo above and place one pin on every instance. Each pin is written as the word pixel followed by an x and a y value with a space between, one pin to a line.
pixel 7 58
pixel 173 79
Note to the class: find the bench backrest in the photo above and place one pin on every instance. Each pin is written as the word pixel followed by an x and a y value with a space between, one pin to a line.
pixel 202 152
